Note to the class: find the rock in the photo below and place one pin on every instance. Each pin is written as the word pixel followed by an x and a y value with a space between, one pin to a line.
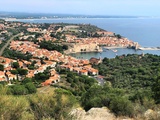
pixel 95 114
pixel 78 114
pixel 105 114
pixel 92 114
pixel 99 114
pixel 152 115
pixel 148 113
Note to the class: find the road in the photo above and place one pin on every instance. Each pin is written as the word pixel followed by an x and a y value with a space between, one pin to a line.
pixel 8 42
pixel 100 81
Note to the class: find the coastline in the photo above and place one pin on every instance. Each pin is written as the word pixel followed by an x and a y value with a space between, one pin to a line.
pixel 105 47
pixel 99 51
pixel 148 48
pixel 69 52
pixel 30 19
pixel 113 47
pixel 111 54
pixel 140 48
pixel 54 18
pixel 113 25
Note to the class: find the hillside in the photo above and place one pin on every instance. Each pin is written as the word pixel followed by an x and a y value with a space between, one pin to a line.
pixel 38 81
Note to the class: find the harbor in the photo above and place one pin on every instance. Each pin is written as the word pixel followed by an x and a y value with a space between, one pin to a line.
pixel 110 54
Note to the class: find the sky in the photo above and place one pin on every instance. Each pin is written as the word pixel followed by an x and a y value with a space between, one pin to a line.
pixel 84 7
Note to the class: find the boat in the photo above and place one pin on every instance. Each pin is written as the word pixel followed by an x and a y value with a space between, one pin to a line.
pixel 114 50
pixel 107 49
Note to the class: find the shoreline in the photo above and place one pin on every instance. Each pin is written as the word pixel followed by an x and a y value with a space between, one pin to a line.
pixel 56 18
pixel 83 52
pixel 148 48
pixel 105 47
pixel 100 51
pixel 114 47
pixel 112 54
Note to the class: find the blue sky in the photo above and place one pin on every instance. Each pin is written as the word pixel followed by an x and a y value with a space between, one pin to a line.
pixel 87 7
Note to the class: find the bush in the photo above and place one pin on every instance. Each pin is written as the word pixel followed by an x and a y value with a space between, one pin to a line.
pixel 26 80
pixel 15 65
pixel 156 90
pixel 1 67
pixel 22 71
pixel 14 72
pixel 55 105
pixel 19 90
pixel 31 88
pixel 122 106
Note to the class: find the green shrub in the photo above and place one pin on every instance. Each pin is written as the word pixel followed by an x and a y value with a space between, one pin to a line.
pixel 122 106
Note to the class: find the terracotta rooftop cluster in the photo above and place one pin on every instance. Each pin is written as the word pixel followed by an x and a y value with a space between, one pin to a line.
pixel 80 66
pixel 108 39
pixel 6 75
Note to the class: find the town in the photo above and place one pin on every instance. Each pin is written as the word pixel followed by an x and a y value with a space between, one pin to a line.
pixel 42 43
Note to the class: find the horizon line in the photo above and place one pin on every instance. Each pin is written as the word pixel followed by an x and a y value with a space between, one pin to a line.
pixel 74 14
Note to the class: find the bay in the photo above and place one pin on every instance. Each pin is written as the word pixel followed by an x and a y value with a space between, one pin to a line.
pixel 111 54
pixel 145 31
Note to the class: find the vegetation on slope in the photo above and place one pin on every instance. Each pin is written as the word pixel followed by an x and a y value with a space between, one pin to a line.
pixel 131 72
pixel 16 55
pixel 136 77
pixel 55 105
pixel 52 46
pixel 132 87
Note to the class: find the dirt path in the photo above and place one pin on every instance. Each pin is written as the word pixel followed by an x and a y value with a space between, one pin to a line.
pixel 3 48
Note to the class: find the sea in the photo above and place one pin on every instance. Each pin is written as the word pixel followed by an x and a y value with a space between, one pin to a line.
pixel 144 30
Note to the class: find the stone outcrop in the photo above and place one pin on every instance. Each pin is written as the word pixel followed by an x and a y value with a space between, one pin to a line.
pixel 94 114
pixel 152 115
pixel 105 114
